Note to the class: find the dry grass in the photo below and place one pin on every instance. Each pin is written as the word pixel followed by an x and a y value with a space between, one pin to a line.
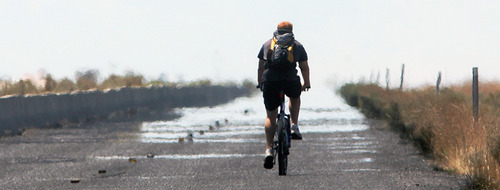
pixel 442 125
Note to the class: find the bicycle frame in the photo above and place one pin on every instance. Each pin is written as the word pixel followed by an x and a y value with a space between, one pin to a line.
pixel 282 137
pixel 282 116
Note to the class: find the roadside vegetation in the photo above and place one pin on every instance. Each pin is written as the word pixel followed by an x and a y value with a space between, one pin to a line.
pixel 441 124
pixel 89 80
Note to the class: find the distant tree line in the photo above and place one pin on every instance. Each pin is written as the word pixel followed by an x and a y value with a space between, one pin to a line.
pixel 88 80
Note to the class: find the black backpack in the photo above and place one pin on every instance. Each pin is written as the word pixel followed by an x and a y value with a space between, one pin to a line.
pixel 281 51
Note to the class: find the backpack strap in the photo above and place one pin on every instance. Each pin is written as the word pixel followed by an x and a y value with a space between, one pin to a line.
pixel 290 54
pixel 273 42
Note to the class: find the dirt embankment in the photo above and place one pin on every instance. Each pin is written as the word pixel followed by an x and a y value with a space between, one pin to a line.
pixel 21 112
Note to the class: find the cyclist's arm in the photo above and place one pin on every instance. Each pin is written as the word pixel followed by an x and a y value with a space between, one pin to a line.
pixel 304 69
pixel 260 71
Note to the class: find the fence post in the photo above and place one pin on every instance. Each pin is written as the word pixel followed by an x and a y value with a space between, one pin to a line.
pixel 475 93
pixel 402 77
pixel 378 78
pixel 438 82
pixel 387 79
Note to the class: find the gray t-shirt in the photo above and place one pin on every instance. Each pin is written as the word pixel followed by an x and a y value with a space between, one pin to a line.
pixel 299 54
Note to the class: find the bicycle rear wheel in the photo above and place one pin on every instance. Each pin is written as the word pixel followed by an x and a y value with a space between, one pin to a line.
pixel 282 148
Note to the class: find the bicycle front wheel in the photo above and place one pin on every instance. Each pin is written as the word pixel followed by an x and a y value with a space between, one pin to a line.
pixel 282 148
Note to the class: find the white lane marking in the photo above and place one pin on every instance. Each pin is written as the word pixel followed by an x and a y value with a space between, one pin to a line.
pixel 349 147
pixel 344 138
pixel 358 151
pixel 342 143
pixel 362 170
pixel 171 134
pixel 233 140
pixel 179 156
pixel 360 160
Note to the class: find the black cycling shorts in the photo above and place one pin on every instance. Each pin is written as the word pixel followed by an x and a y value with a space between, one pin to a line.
pixel 271 92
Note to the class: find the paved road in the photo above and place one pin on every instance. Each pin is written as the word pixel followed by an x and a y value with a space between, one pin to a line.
pixel 338 152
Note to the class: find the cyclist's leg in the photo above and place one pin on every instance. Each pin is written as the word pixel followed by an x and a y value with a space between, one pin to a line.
pixel 270 127
pixel 271 101
pixel 293 91
pixel 294 110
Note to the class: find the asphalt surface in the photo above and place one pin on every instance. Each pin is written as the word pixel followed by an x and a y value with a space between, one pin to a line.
pixel 71 158
pixel 113 154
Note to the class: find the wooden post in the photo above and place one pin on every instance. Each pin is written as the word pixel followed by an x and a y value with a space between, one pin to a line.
pixel 387 78
pixel 475 93
pixel 402 77
pixel 438 82
pixel 378 78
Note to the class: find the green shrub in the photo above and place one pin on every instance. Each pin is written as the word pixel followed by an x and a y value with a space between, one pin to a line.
pixel 132 79
pixel 350 94
pixel 65 85
pixel 50 83
pixel 113 81
pixel 87 80
pixel 22 87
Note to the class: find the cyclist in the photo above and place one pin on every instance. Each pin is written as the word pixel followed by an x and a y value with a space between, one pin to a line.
pixel 271 81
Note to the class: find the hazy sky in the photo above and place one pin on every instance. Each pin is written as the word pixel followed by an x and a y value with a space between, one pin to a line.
pixel 186 40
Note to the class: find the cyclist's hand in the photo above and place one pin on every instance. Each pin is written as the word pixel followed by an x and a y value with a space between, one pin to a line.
pixel 260 87
pixel 306 87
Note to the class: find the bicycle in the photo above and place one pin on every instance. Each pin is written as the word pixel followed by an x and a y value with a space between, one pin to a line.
pixel 281 143
pixel 282 136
